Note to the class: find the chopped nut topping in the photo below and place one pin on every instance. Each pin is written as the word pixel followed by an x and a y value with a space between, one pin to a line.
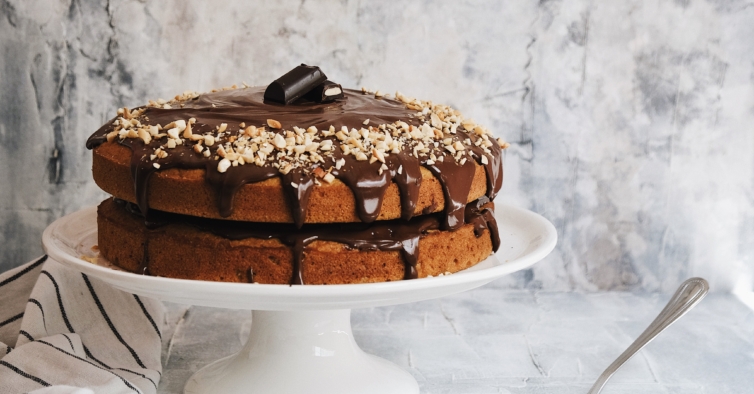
pixel 378 155
pixel 223 165
pixel 173 133
pixel 274 124
pixel 432 136
pixel 279 141
pixel 319 172
pixel 187 132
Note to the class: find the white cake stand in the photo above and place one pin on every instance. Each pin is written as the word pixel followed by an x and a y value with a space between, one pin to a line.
pixel 301 340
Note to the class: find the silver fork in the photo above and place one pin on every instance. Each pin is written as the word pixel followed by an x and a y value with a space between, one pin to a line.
pixel 686 297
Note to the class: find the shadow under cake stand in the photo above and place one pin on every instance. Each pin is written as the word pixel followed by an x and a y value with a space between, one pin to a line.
pixel 301 339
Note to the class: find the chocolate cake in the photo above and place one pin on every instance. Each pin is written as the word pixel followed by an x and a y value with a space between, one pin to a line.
pixel 301 182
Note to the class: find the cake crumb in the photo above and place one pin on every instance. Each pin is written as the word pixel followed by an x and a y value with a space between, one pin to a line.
pixel 89 259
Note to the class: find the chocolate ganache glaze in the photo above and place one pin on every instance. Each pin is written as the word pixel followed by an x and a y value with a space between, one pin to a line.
pixel 389 235
pixel 218 121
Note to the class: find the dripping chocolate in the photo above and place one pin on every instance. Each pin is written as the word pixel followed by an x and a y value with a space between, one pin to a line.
pixel 365 178
pixel 389 235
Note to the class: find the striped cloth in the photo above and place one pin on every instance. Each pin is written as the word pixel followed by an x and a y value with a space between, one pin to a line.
pixel 62 332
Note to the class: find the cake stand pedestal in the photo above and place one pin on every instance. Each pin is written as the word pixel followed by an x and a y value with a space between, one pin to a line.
pixel 301 352
pixel 301 340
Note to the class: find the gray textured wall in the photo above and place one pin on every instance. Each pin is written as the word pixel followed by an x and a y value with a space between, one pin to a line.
pixel 631 122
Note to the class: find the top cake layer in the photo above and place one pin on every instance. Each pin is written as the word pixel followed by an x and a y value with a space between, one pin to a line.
pixel 365 142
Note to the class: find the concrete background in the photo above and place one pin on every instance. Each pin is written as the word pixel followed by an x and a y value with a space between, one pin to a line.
pixel 630 122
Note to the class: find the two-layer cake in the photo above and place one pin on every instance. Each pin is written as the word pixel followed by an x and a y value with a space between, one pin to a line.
pixel 306 183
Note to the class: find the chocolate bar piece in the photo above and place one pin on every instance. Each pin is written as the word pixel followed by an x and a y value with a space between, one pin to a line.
pixel 294 84
pixel 325 92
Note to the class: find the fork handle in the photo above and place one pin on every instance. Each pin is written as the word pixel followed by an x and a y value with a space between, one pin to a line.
pixel 688 294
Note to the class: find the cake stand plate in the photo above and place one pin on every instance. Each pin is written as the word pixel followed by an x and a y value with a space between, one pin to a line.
pixel 301 339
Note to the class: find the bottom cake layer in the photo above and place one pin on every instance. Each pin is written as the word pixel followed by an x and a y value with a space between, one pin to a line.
pixel 185 247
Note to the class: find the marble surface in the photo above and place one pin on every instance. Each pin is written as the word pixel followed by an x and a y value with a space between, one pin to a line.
pixel 492 340
pixel 630 121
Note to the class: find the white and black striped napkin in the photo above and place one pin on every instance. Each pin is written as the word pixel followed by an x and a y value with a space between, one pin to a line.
pixel 62 332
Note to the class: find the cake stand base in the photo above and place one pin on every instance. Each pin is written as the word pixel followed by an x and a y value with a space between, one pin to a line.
pixel 301 352
pixel 310 347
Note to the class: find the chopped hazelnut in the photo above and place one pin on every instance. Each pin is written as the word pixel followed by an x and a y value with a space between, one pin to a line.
pixel 187 132
pixel 274 124
pixel 223 165
pixel 279 141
